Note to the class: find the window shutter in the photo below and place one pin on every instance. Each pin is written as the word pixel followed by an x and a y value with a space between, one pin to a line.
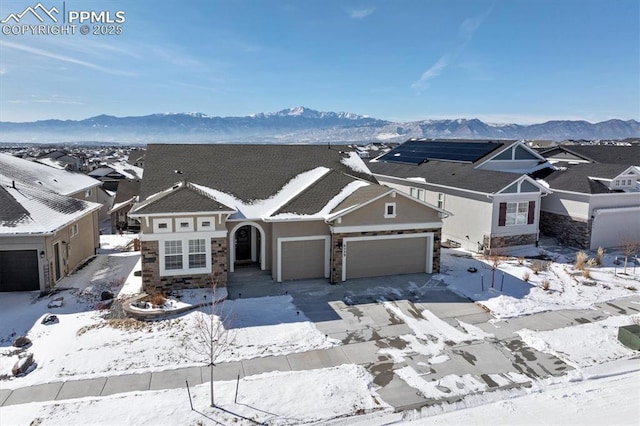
pixel 532 212
pixel 502 216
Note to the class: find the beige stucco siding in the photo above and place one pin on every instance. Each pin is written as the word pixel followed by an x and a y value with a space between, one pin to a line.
pixel 407 211
pixel 472 219
pixel 386 257
pixel 74 249
pixel 567 204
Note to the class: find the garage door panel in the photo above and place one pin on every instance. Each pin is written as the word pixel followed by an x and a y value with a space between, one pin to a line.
pixel 303 259
pixel 19 270
pixel 611 228
pixel 379 257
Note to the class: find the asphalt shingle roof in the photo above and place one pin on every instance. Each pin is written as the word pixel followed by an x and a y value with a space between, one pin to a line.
pixel 575 178
pixel 610 154
pixel 317 195
pixel 184 200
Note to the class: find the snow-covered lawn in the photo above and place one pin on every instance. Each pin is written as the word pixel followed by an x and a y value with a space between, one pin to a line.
pixel 511 295
pixel 277 398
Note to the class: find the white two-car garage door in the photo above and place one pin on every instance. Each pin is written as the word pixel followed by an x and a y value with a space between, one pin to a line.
pixel 375 256
pixel 611 227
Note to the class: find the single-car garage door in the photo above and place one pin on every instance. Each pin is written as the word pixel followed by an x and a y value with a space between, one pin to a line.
pixel 19 270
pixel 388 255
pixel 611 227
pixel 304 259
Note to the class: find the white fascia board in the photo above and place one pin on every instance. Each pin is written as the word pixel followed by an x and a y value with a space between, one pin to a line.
pixel 174 214
pixel 455 188
pixel 390 227
pixel 183 236
pixel 527 178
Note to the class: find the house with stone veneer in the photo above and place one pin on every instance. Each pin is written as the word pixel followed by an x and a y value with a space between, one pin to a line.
pixel 595 195
pixel 298 211
pixel 488 187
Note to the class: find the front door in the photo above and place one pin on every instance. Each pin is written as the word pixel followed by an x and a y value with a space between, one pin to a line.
pixel 243 244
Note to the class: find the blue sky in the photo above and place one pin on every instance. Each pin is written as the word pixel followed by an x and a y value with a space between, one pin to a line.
pixel 521 61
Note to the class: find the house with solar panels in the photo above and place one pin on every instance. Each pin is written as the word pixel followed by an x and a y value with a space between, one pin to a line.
pixel 485 185
pixel 209 212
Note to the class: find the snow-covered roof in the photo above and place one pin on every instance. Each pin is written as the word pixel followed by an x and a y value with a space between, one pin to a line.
pixel 31 173
pixel 26 209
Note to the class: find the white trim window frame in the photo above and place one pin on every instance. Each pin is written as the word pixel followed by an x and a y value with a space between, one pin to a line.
pixel 74 230
pixel 441 200
pixel 517 213
pixel 390 210
pixel 184 224
pixel 185 256
pixel 162 226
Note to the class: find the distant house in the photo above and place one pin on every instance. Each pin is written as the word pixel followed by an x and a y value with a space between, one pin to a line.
pixel 48 225
pixel 595 200
pixel 112 173
pixel 299 211
pixel 485 185
pixel 62 160
pixel 137 157
pixel 126 196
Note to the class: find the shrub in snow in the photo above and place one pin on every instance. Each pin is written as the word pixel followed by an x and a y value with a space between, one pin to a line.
pixel 545 284
pixel 592 262
pixel 581 258
pixel 158 300
pixel 599 256
pixel 525 276
pixel 520 260
pixel 586 272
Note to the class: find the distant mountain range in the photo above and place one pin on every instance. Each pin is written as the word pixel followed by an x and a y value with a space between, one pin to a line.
pixel 297 125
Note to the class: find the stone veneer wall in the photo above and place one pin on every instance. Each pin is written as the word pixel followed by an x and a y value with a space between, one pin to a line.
pixel 336 248
pixel 152 282
pixel 568 231
pixel 509 241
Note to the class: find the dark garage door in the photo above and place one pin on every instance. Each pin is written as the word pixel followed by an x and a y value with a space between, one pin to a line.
pixel 19 270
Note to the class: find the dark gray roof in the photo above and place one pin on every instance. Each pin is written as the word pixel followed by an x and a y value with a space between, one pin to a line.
pixel 135 155
pixel 361 195
pixel 184 199
pixel 452 174
pixel 127 189
pixel 317 195
pixel 11 212
pixel 248 172
pixel 610 154
pixel 576 177
pixel 455 175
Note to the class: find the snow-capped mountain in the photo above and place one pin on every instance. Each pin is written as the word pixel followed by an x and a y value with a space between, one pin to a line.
pixel 296 125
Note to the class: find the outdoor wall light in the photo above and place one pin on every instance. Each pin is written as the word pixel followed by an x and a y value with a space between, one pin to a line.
pixel 41 254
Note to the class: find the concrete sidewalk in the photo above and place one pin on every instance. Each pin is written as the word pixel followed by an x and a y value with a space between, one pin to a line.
pixel 363 330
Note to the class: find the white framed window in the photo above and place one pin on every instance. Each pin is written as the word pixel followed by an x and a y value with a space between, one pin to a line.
pixel 185 256
pixel 517 213
pixel 617 182
pixel 184 225
pixel 206 223
pixel 74 230
pixel 417 193
pixel 162 226
pixel 87 193
pixel 389 210
pixel 440 200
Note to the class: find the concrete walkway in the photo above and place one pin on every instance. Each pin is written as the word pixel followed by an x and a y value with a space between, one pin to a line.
pixel 364 327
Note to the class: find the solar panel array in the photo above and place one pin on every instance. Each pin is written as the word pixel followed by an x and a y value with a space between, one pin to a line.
pixel 420 151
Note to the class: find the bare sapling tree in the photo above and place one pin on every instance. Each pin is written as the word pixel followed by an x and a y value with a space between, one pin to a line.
pixel 209 337
pixel 630 247
pixel 495 259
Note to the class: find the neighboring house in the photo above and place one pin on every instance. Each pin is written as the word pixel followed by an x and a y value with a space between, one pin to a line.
pixel 61 159
pixel 112 173
pixel 128 191
pixel 595 200
pixel 43 235
pixel 494 204
pixel 137 157
pixel 299 211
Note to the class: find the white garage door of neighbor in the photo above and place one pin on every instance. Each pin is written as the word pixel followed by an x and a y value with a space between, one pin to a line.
pixel 611 227
pixel 376 257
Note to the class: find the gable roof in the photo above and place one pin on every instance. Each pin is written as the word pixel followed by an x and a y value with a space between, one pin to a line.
pixel 31 173
pixel 460 175
pixel 183 197
pixel 258 181
pixel 127 189
pixel 610 154
pixel 26 209
pixel 583 177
